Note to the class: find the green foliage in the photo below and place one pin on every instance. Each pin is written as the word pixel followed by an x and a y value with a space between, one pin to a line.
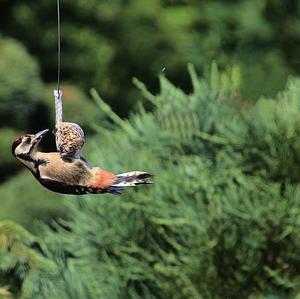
pixel 24 200
pixel 5 294
pixel 106 43
pixel 220 222
pixel 23 270
pixel 20 84
pixel 264 75
pixel 269 146
pixel 7 160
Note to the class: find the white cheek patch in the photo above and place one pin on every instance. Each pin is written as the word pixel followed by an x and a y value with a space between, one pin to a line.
pixel 28 164
pixel 23 149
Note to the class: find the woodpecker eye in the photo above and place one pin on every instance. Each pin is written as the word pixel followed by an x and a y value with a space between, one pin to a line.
pixel 27 139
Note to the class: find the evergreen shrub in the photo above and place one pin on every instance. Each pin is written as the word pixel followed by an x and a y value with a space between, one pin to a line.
pixel 221 220
pixel 26 202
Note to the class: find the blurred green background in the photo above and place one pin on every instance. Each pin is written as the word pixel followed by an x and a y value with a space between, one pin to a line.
pixel 206 95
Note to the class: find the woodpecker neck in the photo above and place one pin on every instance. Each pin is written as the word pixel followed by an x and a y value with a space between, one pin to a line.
pixel 31 161
pixel 25 157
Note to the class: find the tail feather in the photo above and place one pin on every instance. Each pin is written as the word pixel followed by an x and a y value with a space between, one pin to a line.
pixel 129 179
pixel 115 190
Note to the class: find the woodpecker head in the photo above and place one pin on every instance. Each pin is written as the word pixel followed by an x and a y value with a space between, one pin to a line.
pixel 24 146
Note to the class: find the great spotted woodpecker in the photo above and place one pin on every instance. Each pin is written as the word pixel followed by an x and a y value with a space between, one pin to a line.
pixel 71 175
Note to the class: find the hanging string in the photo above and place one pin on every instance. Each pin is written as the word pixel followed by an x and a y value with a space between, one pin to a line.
pixel 58 92
pixel 58 45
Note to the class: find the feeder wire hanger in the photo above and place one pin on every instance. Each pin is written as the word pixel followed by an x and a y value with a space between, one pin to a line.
pixel 58 91
pixel 69 137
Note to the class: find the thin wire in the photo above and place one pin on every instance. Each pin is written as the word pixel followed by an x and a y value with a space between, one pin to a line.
pixel 58 92
pixel 58 47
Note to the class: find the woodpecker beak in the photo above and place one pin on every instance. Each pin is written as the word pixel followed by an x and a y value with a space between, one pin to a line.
pixel 38 136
